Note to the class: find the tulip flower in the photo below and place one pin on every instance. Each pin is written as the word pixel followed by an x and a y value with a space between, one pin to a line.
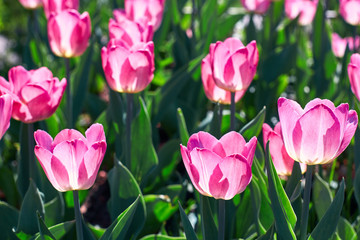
pixel 354 74
pixel 57 6
pixel 282 161
pixel 305 9
pixel 36 93
pixel 149 10
pixel 318 133
pixel 6 105
pixel 219 168
pixel 128 70
pixel 69 33
pixel 257 6
pixel 213 92
pixel 129 32
pixel 339 44
pixel 71 161
pixel 31 4
pixel 350 11
pixel 234 65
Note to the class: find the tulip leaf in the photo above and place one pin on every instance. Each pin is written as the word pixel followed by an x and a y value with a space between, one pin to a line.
pixel 8 186
pixel 44 232
pixel 357 186
pixel 345 230
pixel 118 229
pixel 327 225
pixel 11 215
pixel 31 204
pixel 143 154
pixel 255 202
pixel 284 214
pixel 28 167
pixel 294 179
pixel 184 134
pixel 189 231
pixel 244 215
pixel 254 127
pixel 54 210
pixel 209 230
pixel 124 190
pixel 161 237
pixel 269 235
pixel 59 230
pixel 321 196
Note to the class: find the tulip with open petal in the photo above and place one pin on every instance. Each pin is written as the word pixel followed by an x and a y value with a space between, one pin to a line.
pixel 282 161
pixel 71 161
pixel 219 168
pixel 36 93
pixel 350 11
pixel 318 133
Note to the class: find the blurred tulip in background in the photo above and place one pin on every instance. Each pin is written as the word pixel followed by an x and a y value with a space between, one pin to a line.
pixel 350 11
pixel 305 9
pixel 71 161
pixel 257 6
pixel 69 33
pixel 57 6
pixel 318 133
pixel 31 4
pixel 354 74
pixel 234 65
pixel 338 44
pixel 36 93
pixel 219 168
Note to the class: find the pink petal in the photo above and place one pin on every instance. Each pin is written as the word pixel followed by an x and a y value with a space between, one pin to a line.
pixel 233 45
pixel 80 35
pixel 219 185
pixel 317 141
pixel 249 150
pixel 18 77
pixel 6 106
pixel 207 141
pixel 233 143
pixel 61 176
pixel 68 135
pixel 318 101
pixel 43 139
pixel 349 131
pixel 95 133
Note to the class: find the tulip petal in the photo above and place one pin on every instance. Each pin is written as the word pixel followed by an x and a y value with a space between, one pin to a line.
pixel 233 44
pixel 205 162
pixel 349 131
pixel 207 141
pixel 232 143
pixel 18 77
pixel 317 141
pixel 218 184
pixel 61 175
pixel 6 106
pixel 43 139
pixel 41 74
pixel 237 74
pixel 95 133
pixel 68 135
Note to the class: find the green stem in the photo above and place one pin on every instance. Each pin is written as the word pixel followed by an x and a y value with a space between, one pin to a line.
pixel 79 232
pixel 232 112
pixel 220 114
pixel 221 219
pixel 305 207
pixel 68 94
pixel 129 109
pixel 202 216
pixel 32 164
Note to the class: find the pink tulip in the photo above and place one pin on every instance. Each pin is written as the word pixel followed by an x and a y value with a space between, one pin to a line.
pixel 282 161
pixel 354 74
pixel 257 6
pixel 31 4
pixel 305 9
pixel 318 133
pixel 128 70
pixel 219 168
pixel 57 6
pixel 71 161
pixel 350 11
pixel 69 33
pixel 213 92
pixel 234 65
pixel 36 93
pixel 149 10
pixel 339 44
pixel 130 32
pixel 6 105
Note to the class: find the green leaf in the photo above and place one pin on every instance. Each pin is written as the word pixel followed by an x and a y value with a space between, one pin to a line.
pixel 294 179
pixel 254 127
pixel 11 215
pixel 184 134
pixel 327 225
pixel 357 186
pixel 43 230
pixel 269 235
pixel 284 214
pixel 345 230
pixel 189 231
pixel 118 229
pixel 215 125
pixel 255 194
pixel 321 196
pixel 31 204
pixel 124 190
pixel 161 237
pixel 8 186
pixel 54 210
pixel 59 230
pixel 209 230
pixel 143 154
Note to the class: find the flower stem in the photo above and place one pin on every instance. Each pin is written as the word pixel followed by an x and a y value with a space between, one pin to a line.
pixel 305 207
pixel 221 219
pixel 232 112
pixel 129 109
pixel 68 94
pixel 79 232
pixel 33 171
